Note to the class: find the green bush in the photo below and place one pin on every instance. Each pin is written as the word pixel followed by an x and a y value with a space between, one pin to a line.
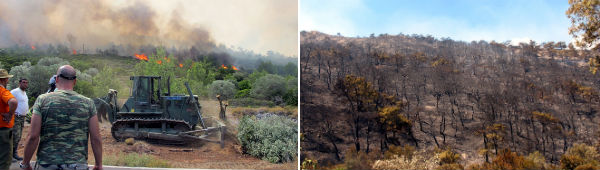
pixel 269 87
pixel 291 97
pixel 244 84
pixel 104 80
pixel 18 72
pixel 84 88
pixel 41 73
pixel 271 138
pixel 242 93
pixel 222 87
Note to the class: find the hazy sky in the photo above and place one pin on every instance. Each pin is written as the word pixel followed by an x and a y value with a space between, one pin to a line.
pixel 257 25
pixel 500 20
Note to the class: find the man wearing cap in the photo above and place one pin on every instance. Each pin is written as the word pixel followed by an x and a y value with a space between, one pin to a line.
pixel 61 123
pixel 8 105
pixel 20 114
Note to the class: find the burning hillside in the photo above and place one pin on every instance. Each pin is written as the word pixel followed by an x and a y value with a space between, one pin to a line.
pixel 127 28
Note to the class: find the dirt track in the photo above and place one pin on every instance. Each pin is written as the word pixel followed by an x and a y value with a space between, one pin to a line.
pixel 202 155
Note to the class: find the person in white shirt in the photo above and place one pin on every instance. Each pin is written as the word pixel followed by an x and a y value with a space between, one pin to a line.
pixel 20 114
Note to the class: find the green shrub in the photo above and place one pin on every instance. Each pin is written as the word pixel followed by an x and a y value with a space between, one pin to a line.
pixel 84 88
pixel 222 87
pixel 244 84
pixel 271 138
pixel 269 87
pixel 104 80
pixel 18 72
pixel 291 97
pixel 242 93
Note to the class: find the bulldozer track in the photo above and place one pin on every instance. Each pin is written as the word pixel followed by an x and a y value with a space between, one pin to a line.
pixel 117 126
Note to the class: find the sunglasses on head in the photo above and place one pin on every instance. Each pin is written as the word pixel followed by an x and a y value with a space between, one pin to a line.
pixel 68 78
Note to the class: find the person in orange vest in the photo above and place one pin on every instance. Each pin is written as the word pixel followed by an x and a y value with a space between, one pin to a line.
pixel 8 105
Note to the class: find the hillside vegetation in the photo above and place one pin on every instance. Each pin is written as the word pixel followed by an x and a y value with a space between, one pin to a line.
pixel 409 100
pixel 99 72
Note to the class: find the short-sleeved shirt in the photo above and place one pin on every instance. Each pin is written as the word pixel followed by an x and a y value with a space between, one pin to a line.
pixel 65 128
pixel 5 95
pixel 23 100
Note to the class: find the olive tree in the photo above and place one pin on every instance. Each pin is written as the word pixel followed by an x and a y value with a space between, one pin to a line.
pixel 19 72
pixel 224 88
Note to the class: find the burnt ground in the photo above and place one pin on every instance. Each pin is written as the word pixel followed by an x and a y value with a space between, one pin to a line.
pixel 194 155
pixel 327 106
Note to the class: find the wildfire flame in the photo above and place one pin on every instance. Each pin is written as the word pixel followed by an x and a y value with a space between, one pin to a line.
pixel 32 47
pixel 234 68
pixel 180 65
pixel 141 57
pixel 223 66
pixel 74 51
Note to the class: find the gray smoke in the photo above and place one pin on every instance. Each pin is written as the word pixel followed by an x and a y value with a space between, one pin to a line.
pixel 95 24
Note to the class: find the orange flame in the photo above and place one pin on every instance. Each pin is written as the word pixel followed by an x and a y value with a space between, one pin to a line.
pixel 180 65
pixel 32 47
pixel 234 68
pixel 74 51
pixel 159 61
pixel 223 66
pixel 141 57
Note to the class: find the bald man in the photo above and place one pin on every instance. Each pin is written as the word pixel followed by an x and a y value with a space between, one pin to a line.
pixel 61 123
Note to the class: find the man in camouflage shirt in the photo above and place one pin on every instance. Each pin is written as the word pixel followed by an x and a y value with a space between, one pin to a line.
pixel 61 123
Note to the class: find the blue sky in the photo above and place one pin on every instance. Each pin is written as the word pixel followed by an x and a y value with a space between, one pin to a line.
pixel 467 20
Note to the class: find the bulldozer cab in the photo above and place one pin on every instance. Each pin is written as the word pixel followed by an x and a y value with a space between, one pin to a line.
pixel 145 91
pixel 150 114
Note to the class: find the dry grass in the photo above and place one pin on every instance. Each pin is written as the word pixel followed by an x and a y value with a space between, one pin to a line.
pixel 135 160
pixel 418 161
